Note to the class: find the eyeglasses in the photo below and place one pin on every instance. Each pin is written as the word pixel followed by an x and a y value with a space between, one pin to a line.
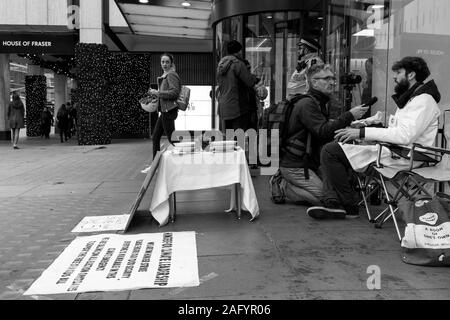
pixel 329 78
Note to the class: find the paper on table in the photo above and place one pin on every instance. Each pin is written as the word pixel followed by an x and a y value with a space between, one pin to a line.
pixel 375 119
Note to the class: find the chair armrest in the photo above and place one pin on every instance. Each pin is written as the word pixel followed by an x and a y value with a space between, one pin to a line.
pixel 429 155
pixel 433 149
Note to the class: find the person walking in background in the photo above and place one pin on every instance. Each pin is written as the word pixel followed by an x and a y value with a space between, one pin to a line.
pixel 46 122
pixel 70 121
pixel 73 113
pixel 16 114
pixel 232 74
pixel 63 122
pixel 169 88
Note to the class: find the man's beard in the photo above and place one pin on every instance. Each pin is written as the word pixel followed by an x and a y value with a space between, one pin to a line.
pixel 401 87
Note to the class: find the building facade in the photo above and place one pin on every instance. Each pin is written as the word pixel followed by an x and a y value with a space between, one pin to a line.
pixel 361 39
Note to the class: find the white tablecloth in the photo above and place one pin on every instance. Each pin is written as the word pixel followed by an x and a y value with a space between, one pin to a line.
pixel 201 170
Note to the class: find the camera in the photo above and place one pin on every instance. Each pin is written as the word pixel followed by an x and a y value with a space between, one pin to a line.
pixel 351 79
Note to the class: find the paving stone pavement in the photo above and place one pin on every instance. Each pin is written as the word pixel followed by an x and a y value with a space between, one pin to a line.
pixel 46 188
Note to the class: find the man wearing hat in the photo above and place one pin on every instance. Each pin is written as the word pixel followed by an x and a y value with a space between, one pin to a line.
pixel 231 74
pixel 308 55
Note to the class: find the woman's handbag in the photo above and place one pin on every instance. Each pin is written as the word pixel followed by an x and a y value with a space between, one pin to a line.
pixel 183 98
pixel 149 103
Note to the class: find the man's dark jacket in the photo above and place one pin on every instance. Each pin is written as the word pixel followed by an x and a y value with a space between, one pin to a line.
pixel 312 115
pixel 231 74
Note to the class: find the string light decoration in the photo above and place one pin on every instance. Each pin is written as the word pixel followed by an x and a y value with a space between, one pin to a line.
pixel 129 80
pixel 93 110
pixel 109 88
pixel 36 93
pixel 62 67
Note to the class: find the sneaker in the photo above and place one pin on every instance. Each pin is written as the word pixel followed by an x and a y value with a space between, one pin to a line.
pixel 352 212
pixel 276 192
pixel 319 212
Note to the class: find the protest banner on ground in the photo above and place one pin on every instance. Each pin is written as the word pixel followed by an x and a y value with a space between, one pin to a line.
pixel 112 262
pixel 102 223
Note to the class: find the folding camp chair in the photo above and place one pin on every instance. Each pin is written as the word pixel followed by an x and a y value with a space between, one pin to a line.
pixel 408 183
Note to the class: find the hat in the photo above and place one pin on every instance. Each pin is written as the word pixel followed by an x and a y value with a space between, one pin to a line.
pixel 233 47
pixel 309 42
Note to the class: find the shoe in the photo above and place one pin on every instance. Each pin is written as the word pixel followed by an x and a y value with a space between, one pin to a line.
pixel 352 212
pixel 16 147
pixel 319 212
pixel 277 194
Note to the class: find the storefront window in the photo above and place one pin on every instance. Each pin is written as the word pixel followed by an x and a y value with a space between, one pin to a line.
pixel 366 38
pixel 361 40
pixel 270 44
pixel 357 49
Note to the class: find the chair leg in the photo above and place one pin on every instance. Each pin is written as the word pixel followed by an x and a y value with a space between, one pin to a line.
pixel 362 188
pixel 381 214
pixel 391 209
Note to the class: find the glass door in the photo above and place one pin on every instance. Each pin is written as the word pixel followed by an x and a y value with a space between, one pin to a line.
pixel 271 46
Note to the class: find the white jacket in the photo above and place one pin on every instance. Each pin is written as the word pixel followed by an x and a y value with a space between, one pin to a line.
pixel 417 122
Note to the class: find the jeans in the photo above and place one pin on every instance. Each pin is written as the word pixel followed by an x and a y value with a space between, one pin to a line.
pixel 164 124
pixel 64 133
pixel 298 189
pixel 337 175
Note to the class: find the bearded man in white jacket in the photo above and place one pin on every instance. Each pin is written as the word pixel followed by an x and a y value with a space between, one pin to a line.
pixel 415 121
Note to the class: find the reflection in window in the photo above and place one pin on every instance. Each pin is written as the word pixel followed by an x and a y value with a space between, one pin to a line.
pixel 271 46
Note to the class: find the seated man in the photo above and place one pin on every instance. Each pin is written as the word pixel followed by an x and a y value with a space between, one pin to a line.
pixel 310 117
pixel 415 121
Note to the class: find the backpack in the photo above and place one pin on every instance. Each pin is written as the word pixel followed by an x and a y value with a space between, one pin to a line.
pixel 183 98
pixel 277 117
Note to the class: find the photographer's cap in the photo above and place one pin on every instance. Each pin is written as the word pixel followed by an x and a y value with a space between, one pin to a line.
pixel 311 43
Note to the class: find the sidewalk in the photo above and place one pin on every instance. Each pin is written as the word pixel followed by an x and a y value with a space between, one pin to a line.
pixel 47 187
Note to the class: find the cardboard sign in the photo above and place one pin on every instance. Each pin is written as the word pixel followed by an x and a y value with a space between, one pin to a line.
pixel 102 223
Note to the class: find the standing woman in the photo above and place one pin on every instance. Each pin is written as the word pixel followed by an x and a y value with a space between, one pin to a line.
pixel 16 114
pixel 169 88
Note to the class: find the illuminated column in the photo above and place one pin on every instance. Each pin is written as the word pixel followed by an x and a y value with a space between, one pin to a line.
pixel 60 87
pixel 91 21
pixel 5 132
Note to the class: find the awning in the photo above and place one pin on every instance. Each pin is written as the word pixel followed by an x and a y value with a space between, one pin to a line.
pixel 168 18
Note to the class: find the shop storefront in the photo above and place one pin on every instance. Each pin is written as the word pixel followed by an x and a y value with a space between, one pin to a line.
pixel 360 39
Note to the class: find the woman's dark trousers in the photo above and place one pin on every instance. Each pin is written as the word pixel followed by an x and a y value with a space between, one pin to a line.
pixel 164 124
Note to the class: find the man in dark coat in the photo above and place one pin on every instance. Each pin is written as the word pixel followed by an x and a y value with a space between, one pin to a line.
pixel 232 73
pixel 63 122
pixel 298 176
pixel 46 122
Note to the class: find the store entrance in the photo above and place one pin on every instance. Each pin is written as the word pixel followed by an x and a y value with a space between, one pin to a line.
pixel 271 46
